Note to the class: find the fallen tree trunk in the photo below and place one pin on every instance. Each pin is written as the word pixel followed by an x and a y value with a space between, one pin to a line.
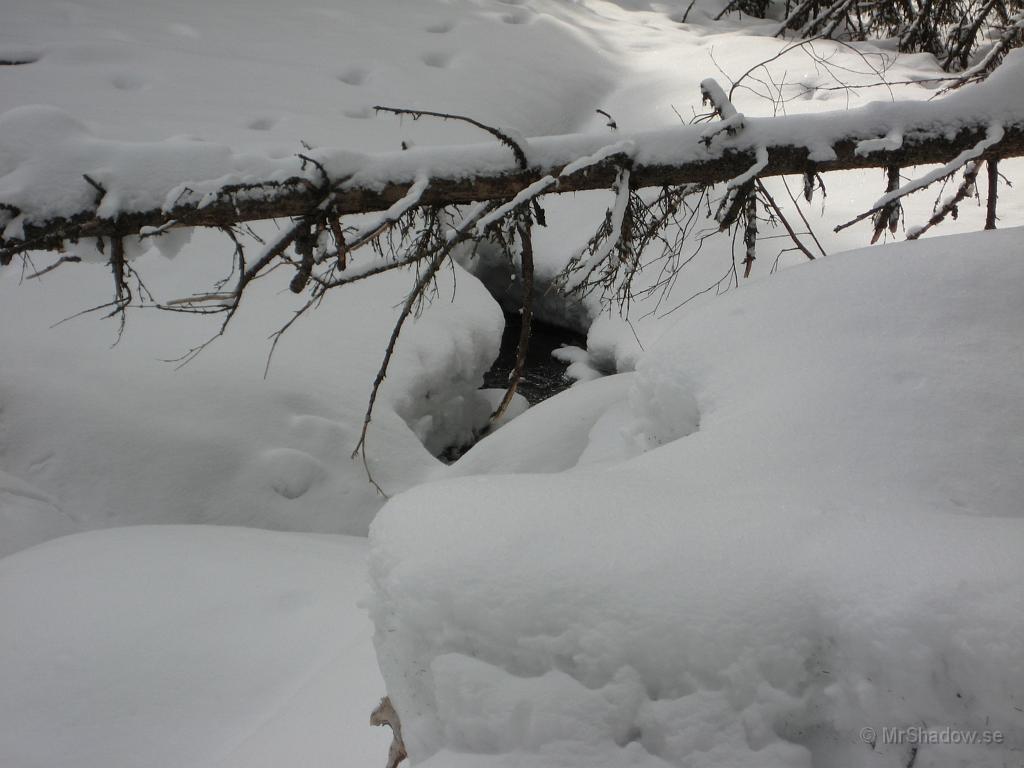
pixel 879 135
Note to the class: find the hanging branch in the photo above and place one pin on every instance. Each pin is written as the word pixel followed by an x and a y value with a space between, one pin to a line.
pixel 525 230
pixel 576 277
pixel 808 192
pixel 750 233
pixel 229 303
pixel 889 216
pixel 993 135
pixel 51 267
pixel 949 206
pixel 992 166
pixel 415 296
pixel 784 221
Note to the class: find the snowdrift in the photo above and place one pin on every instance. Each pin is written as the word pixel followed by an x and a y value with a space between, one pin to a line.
pixel 93 437
pixel 836 546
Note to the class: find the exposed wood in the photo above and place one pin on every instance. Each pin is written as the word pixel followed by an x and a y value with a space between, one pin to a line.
pixel 385 714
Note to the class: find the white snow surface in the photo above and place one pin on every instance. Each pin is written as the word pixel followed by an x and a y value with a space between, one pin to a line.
pixel 45 154
pixel 835 547
pixel 199 646
pixel 97 437
pixel 817 535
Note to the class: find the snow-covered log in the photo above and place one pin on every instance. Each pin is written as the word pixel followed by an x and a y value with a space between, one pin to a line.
pixel 66 184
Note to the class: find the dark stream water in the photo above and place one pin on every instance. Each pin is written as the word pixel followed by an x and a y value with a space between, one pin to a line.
pixel 544 375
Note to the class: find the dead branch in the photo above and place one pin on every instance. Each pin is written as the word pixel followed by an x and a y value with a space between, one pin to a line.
pixel 949 206
pixel 749 233
pixel 784 221
pixel 992 168
pixel 51 267
pixel 993 135
pixel 808 193
pixel 505 137
pixel 889 216
pixel 524 227
pixel 461 234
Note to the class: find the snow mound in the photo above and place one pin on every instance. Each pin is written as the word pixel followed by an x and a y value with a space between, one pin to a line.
pixel 837 547
pixel 94 437
pixel 186 645
pixel 586 425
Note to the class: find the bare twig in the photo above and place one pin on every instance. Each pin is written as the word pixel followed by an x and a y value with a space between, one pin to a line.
pixel 992 168
pixel 994 134
pixel 503 136
pixel 524 228
pixel 889 216
pixel 949 206
pixel 784 221
pixel 57 263
pixel 461 234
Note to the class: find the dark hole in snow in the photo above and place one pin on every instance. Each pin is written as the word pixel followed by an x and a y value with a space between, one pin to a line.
pixel 544 375
pixel 18 61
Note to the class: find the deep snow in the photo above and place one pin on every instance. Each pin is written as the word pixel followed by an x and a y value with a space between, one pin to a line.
pixel 187 646
pixel 823 535
pixel 745 596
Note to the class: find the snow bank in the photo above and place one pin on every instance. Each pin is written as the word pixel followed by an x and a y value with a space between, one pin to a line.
pixel 836 547
pixel 45 154
pixel 95 437
pixel 199 646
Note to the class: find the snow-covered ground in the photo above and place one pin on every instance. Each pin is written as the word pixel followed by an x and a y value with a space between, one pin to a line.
pixel 187 646
pixel 801 507
pixel 820 532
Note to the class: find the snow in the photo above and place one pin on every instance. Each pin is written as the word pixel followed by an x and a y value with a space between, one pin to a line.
pixel 45 154
pixel 187 645
pixel 396 211
pixel 788 504
pixel 993 136
pixel 524 196
pixel 835 546
pixel 752 172
pixel 118 437
pixel 616 215
pixel 560 432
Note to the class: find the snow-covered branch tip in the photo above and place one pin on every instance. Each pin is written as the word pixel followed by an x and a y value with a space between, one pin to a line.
pixel 993 135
